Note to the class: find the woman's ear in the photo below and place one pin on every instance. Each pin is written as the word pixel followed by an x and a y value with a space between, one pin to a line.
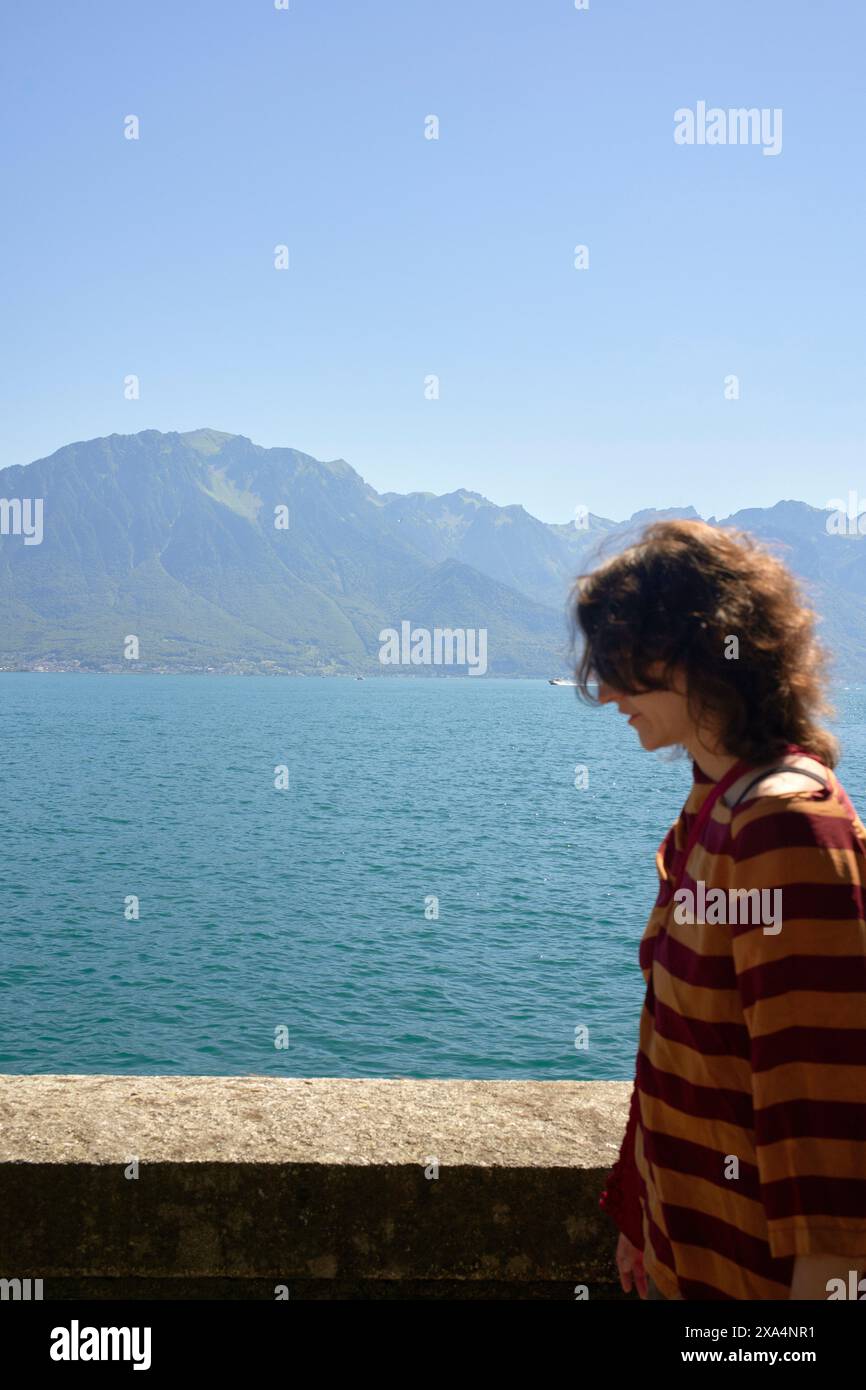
pixel 679 680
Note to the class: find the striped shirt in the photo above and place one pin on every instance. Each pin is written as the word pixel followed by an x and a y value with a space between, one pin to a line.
pixel 749 1139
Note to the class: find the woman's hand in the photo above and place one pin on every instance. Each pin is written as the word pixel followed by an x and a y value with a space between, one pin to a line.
pixel 629 1262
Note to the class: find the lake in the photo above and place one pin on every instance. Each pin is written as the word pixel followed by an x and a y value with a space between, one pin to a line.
pixel 306 913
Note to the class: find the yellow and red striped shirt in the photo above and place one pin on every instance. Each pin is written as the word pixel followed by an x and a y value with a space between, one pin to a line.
pixel 747 1145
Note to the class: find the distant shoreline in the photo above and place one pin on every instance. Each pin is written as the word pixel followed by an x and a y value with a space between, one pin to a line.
pixel 391 673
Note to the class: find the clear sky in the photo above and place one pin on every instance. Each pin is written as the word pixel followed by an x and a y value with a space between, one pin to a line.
pixel 409 257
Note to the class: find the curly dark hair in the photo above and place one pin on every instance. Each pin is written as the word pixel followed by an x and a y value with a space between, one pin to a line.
pixel 677 596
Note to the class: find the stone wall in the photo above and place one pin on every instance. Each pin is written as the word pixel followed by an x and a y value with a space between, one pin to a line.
pixel 246 1183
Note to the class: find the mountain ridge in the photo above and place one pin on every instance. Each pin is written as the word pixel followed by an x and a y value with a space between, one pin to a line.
pixel 173 537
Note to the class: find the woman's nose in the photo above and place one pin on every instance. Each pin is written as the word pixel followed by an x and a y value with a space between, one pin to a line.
pixel 605 693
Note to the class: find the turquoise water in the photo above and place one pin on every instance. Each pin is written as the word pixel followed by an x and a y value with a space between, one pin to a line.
pixel 305 908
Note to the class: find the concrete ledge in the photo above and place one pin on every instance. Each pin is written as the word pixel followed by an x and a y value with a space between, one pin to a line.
pixel 245 1182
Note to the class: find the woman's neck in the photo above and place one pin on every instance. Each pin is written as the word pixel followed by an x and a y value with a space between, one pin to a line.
pixel 714 762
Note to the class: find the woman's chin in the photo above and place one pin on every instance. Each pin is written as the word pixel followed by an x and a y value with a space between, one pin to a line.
pixel 648 740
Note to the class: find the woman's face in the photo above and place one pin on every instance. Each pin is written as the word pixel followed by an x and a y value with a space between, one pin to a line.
pixel 659 717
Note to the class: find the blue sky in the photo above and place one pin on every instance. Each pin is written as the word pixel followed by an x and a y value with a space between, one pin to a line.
pixel 454 257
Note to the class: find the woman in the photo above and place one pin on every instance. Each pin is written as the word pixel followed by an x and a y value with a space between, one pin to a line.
pixel 742 1173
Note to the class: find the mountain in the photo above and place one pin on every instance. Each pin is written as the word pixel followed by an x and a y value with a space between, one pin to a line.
pixel 172 538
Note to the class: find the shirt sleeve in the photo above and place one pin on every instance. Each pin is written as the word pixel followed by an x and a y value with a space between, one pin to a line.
pixel 801 970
